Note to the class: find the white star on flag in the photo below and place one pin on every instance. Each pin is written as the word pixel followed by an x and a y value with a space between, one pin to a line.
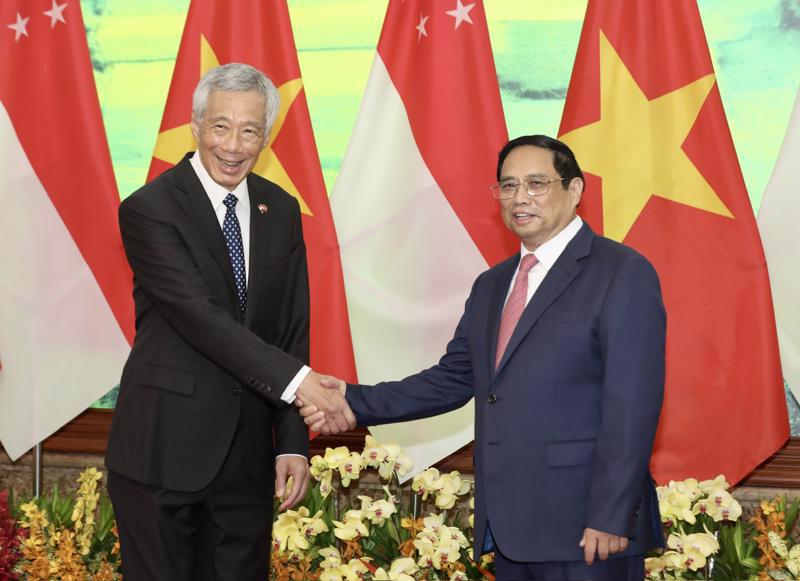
pixel 461 13
pixel 20 27
pixel 56 13
pixel 421 27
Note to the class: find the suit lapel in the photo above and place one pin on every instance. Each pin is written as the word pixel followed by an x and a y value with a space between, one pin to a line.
pixel 196 204
pixel 259 234
pixel 564 271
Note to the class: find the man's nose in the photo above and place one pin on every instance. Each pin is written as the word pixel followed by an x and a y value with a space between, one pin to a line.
pixel 521 195
pixel 232 141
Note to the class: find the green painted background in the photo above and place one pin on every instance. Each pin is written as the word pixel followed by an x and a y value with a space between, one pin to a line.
pixel 755 45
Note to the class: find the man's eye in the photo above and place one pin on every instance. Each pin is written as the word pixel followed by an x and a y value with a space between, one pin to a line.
pixel 535 184
pixel 509 186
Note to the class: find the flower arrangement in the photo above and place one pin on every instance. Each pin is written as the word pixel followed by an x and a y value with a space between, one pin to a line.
pixel 59 538
pixel 416 531
pixel 706 538
pixel 344 537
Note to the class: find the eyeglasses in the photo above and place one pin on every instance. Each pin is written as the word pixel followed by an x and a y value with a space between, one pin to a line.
pixel 538 186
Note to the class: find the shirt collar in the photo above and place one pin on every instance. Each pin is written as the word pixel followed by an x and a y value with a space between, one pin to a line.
pixel 548 253
pixel 216 193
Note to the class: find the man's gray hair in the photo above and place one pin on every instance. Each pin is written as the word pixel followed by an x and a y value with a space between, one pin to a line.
pixel 241 78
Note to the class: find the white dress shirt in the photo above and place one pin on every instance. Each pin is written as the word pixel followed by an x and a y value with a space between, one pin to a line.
pixel 546 254
pixel 216 194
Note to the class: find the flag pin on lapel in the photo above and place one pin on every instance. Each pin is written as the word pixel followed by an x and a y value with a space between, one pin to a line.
pixel 262 208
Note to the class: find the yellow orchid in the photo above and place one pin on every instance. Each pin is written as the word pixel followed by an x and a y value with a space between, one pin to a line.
pixel 350 468
pixel 674 561
pixel 331 558
pixel 653 566
pixel 374 454
pixel 400 570
pixel 705 506
pixel 423 483
pixel 318 467
pixel 728 508
pixel 314 526
pixel 335 457
pixel 323 473
pixel 694 549
pixel 377 511
pixel 458 576
pixel 448 488
pixel 433 523
pixel 472 514
pixel 446 554
pixel 676 506
pixel 403 464
pixel 718 483
pixel 351 527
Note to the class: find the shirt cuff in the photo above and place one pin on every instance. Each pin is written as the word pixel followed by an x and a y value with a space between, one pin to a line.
pixel 298 455
pixel 289 393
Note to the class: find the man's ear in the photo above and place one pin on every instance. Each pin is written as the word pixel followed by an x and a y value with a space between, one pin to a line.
pixel 576 189
pixel 195 126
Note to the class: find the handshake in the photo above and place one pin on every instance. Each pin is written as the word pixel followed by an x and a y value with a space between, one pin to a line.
pixel 320 399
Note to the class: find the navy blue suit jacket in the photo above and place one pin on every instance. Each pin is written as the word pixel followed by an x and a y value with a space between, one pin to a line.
pixel 564 427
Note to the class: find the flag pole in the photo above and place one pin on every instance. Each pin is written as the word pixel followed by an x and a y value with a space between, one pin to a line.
pixel 37 470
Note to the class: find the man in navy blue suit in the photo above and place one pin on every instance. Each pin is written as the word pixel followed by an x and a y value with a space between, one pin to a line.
pixel 562 347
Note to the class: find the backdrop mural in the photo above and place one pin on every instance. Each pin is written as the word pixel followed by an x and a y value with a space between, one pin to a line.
pixel 754 43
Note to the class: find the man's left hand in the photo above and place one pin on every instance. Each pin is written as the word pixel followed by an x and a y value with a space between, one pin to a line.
pixel 297 468
pixel 601 544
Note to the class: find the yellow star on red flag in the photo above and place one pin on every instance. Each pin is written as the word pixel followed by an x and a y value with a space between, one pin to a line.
pixel 635 146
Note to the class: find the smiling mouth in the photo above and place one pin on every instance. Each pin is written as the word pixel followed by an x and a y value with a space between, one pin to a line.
pixel 229 164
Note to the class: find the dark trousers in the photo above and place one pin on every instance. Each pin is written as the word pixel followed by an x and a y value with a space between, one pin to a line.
pixel 620 569
pixel 220 533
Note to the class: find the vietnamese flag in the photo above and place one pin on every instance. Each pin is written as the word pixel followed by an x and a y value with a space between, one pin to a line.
pixel 260 34
pixel 415 216
pixel 66 314
pixel 645 119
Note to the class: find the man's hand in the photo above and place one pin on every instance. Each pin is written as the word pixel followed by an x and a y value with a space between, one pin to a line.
pixel 315 418
pixel 295 467
pixel 320 394
pixel 602 544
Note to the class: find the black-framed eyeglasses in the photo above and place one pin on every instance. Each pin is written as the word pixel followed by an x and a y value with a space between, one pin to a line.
pixel 537 186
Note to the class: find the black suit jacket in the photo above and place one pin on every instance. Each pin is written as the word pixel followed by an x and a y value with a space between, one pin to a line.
pixel 196 367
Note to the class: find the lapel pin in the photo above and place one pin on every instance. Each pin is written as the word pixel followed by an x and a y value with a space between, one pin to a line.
pixel 263 208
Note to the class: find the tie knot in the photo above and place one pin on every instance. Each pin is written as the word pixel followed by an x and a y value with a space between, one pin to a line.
pixel 230 201
pixel 528 262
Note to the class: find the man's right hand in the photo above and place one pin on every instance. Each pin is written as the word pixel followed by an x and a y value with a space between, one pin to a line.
pixel 322 404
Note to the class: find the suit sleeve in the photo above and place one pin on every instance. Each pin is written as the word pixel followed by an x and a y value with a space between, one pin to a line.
pixel 164 269
pixel 632 335
pixel 291 433
pixel 446 386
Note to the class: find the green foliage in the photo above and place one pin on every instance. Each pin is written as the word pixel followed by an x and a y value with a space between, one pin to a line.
pixel 737 558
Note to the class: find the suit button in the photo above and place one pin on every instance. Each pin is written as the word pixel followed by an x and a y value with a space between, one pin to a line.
pixel 237 390
pixel 492 398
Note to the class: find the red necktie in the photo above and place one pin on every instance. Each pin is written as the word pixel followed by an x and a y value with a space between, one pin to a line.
pixel 514 306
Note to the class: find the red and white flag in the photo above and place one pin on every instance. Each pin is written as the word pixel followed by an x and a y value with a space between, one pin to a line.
pixel 412 206
pixel 777 215
pixel 66 314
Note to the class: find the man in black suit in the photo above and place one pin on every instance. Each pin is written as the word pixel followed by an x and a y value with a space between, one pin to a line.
pixel 222 317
